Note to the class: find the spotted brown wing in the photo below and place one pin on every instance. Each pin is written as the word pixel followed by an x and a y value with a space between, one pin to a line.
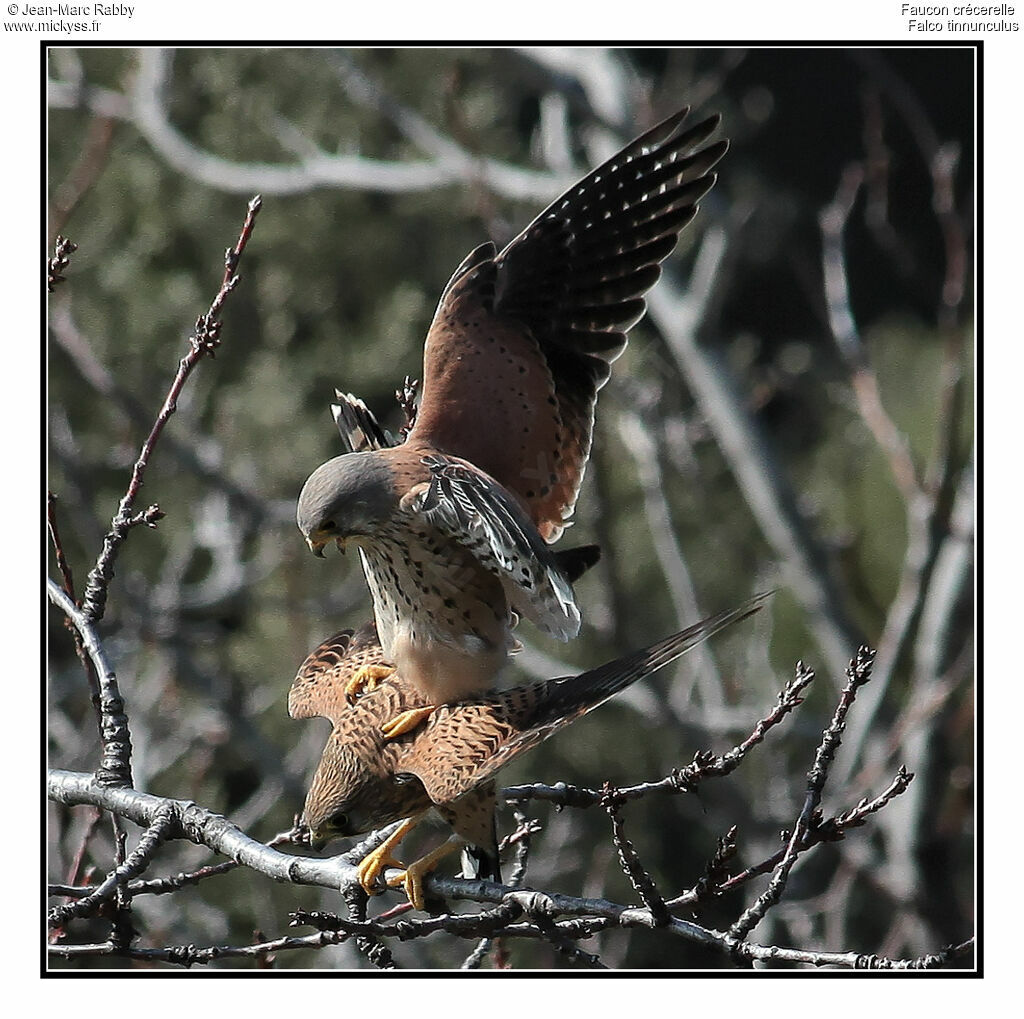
pixel 523 340
pixel 318 689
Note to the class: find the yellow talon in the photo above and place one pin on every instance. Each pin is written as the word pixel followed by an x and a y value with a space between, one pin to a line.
pixel 412 879
pixel 374 864
pixel 406 722
pixel 371 868
pixel 366 679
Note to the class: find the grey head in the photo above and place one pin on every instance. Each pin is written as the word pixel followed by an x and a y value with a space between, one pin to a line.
pixel 347 497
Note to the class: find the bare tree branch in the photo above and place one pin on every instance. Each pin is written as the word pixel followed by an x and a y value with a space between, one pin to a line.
pixel 169 636
pixel 859 672
pixel 146 108
pixel 115 765
pixel 203 343
pixel 157 832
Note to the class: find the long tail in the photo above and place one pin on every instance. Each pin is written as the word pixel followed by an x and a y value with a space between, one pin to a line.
pixel 564 700
pixel 478 737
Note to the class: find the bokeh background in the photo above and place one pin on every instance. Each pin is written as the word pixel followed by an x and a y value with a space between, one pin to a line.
pixel 795 412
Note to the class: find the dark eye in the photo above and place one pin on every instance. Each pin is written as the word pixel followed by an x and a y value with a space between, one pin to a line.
pixel 338 821
pixel 329 525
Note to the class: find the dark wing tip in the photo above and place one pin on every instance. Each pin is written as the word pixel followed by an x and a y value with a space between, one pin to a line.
pixel 663 129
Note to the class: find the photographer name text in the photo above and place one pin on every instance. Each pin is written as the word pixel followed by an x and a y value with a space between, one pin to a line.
pixel 76 10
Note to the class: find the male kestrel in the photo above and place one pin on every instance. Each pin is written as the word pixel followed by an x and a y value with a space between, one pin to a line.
pixel 365 781
pixel 452 524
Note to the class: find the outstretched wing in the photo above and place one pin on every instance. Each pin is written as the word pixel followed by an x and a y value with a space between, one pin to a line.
pixel 523 340
pixel 319 686
pixel 477 738
pixel 468 507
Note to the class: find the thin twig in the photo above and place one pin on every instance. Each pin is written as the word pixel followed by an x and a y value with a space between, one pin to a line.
pixel 526 828
pixel 704 764
pixel 716 882
pixel 58 548
pixel 858 673
pixel 166 885
pixel 639 878
pixel 190 955
pixel 715 873
pixel 156 834
pixel 70 890
pixel 203 342
pixel 69 589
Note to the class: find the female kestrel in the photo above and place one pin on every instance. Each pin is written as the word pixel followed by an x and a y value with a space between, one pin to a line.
pixel 366 780
pixel 452 524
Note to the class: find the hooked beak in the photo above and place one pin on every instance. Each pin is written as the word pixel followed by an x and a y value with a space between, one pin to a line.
pixel 318 540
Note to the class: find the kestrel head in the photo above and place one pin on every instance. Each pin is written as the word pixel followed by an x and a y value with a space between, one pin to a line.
pixel 352 794
pixel 347 497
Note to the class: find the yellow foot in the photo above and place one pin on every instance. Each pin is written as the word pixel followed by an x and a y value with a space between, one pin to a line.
pixel 365 679
pixel 374 864
pixel 406 721
pixel 412 879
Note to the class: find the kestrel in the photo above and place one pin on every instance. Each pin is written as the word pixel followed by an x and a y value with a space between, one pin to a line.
pixel 365 781
pixel 453 523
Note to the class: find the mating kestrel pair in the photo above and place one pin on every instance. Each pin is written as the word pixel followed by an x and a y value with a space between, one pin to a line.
pixel 454 522
pixel 366 779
